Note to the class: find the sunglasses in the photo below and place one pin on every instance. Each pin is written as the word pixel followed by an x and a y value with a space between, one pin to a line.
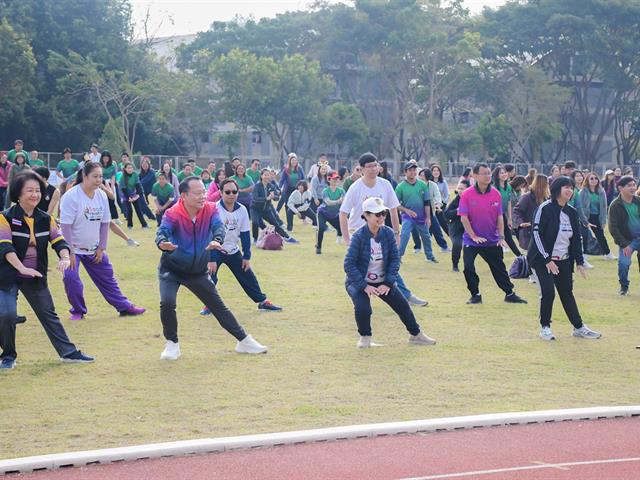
pixel 230 192
pixel 379 214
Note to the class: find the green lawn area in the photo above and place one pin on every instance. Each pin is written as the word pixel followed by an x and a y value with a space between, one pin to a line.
pixel 488 358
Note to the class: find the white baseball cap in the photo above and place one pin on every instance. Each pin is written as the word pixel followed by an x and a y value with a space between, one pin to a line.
pixel 373 205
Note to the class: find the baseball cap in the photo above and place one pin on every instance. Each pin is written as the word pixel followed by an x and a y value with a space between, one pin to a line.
pixel 373 205
pixel 409 165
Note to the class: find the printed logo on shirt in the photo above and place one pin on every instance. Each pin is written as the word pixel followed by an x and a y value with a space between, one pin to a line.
pixel 231 223
pixel 93 214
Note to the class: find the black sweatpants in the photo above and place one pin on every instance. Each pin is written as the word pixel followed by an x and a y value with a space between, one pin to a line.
pixel 322 227
pixel 456 246
pixel 598 231
pixel 495 259
pixel 563 282
pixel 508 237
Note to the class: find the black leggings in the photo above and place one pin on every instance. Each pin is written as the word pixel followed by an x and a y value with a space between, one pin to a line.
pixel 508 237
pixel 268 215
pixel 598 231
pixel 322 227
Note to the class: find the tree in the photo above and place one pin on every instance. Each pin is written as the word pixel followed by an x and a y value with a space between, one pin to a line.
pixel 344 126
pixel 16 76
pixel 496 136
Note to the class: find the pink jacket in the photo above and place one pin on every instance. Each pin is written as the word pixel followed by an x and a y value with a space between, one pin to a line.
pixel 4 174
pixel 213 194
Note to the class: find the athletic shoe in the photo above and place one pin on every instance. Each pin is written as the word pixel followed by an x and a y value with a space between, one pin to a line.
pixel 456 269
pixel 132 243
pixel 475 299
pixel 587 264
pixel 610 256
pixel 267 306
pixel 586 332
pixel 20 319
pixel 291 240
pixel 445 250
pixel 421 339
pixel 367 342
pixel 513 298
pixel 318 251
pixel 416 251
pixel 547 334
pixel 77 357
pixel 8 363
pixel 205 311
pixel 339 241
pixel 505 250
pixel 624 291
pixel 146 227
pixel 432 260
pixel 171 351
pixel 413 300
pixel 76 316
pixel 532 279
pixel 118 221
pixel 250 345
pixel 132 311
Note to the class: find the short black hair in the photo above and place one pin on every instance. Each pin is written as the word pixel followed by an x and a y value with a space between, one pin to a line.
pixel 43 172
pixel 18 142
pixel 569 164
pixel 17 184
pixel 66 150
pixel 367 158
pixel 478 166
pixel 509 167
pixel 161 174
pixel 303 184
pixel 625 180
pixel 556 186
pixel 226 181
pixel 184 184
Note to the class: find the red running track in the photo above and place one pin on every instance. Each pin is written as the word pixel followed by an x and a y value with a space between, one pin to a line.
pixel 576 450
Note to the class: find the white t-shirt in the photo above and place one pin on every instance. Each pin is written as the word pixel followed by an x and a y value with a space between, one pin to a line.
pixel 359 192
pixel 563 240
pixel 375 270
pixel 85 215
pixel 234 222
pixel 95 157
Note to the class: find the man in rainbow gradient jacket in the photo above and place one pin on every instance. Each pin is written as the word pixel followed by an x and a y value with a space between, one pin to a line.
pixel 189 233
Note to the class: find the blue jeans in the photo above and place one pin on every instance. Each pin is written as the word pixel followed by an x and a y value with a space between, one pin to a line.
pixel 624 263
pixel 408 226
pixel 246 279
pixel 395 299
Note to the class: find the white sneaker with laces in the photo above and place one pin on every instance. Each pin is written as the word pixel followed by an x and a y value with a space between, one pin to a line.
pixel 339 241
pixel 416 251
pixel 587 264
pixel 421 339
pixel 367 342
pixel 171 351
pixel 413 300
pixel 586 332
pixel 610 256
pixel 250 345
pixel 547 334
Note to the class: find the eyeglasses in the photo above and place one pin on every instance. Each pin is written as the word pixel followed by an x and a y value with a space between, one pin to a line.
pixel 379 214
pixel 230 192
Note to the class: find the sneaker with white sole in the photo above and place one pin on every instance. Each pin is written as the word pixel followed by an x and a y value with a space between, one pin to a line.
pixel 610 256
pixel 367 342
pixel 132 243
pixel 413 300
pixel 250 345
pixel 171 351
pixel 586 332
pixel 547 334
pixel 587 264
pixel 339 241
pixel 421 339
pixel 416 251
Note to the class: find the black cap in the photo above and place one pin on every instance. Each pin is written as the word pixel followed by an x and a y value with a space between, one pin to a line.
pixel 367 158
pixel 409 165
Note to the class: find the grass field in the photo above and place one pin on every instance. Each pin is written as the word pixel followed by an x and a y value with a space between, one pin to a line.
pixel 488 358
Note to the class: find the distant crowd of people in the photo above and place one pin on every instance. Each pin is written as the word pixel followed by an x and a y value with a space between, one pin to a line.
pixel 211 216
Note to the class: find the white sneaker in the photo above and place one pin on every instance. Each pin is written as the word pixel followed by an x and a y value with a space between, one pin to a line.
pixel 610 256
pixel 586 332
pixel 132 243
pixel 445 250
pixel 339 241
pixel 421 339
pixel 547 334
pixel 587 264
pixel 532 278
pixel 250 345
pixel 413 300
pixel 171 351
pixel 416 251
pixel 505 250
pixel 367 342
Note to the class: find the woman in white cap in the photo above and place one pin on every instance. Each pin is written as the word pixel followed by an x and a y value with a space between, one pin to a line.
pixel 371 264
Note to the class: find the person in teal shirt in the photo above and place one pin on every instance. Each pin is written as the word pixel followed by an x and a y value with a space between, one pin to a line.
pixel 67 166
pixel 500 180
pixel 329 210
pixel 34 161
pixel 163 196
pixel 17 147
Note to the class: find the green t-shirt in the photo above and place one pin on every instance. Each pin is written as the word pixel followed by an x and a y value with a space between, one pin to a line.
pixel 197 170
pixel 109 172
pixel 347 183
pixel 413 196
pixel 162 193
pixel 255 175
pixel 293 179
pixel 505 193
pixel 327 194
pixel 594 206
pixel 129 182
pixel 68 168
pixel 244 182
pixel 634 218
pixel 182 175
pixel 574 198
pixel 206 183
pixel 36 163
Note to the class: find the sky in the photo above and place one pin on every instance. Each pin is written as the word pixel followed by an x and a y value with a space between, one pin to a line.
pixel 181 17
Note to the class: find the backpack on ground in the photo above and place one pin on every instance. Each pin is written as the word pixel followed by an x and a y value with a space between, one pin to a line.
pixel 269 239
pixel 520 268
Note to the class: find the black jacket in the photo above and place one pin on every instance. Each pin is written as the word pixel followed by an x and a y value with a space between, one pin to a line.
pixel 451 214
pixel 546 224
pixel 45 230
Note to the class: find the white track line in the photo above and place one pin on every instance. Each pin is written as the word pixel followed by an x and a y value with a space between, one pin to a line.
pixel 528 467
pixel 209 445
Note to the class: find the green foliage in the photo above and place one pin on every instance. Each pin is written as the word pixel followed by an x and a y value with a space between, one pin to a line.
pixel 496 136
pixel 230 140
pixel 343 125
pixel 16 74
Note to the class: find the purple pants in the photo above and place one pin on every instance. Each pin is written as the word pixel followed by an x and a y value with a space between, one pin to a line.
pixel 102 276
